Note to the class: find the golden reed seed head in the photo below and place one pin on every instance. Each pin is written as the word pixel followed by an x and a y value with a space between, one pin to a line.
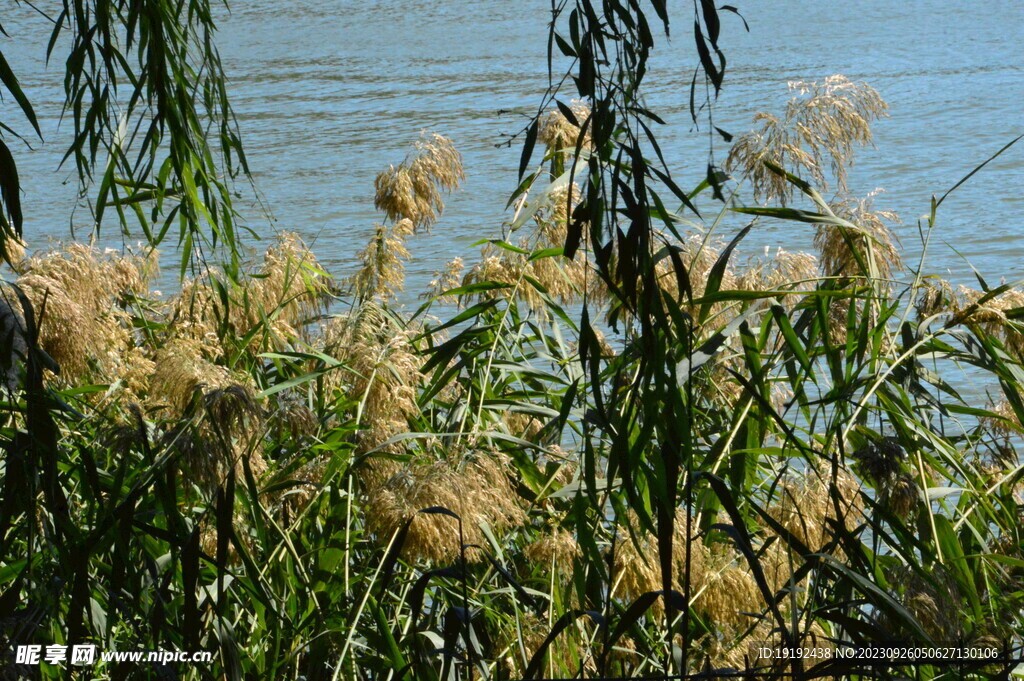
pixel 381 275
pixel 934 296
pixel 554 547
pixel 556 131
pixel 522 425
pixel 290 281
pixel 208 537
pixel 804 506
pixel 819 131
pixel 309 477
pixel 382 373
pixel 1004 422
pixel 636 563
pixel 562 279
pixel 991 315
pixel 285 290
pixel 997 454
pixel 783 270
pixel 412 190
pixel 698 254
pixel 516 642
pixel 192 315
pixel 876 244
pixel 900 495
pixel 476 487
pixel 722 586
pixel 226 436
pixel 179 369
pixel 730 594
pixel 448 278
pixel 552 219
pixel 76 293
pixel 930 598
pixel 13 253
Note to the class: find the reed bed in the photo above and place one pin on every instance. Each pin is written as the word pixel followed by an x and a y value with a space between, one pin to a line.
pixel 289 469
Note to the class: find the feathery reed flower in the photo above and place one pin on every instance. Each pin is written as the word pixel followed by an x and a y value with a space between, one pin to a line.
pixel 290 284
pixel 224 436
pixel 446 279
pixel 76 293
pixel 636 564
pixel 882 463
pixel 875 245
pixel 991 315
pixel 530 278
pixel 179 369
pixel 820 129
pixel 782 270
pixel 698 254
pixel 520 642
pixel 278 297
pixel 1004 427
pixel 383 372
pixel 804 506
pixel 382 272
pixel 554 547
pixel 930 598
pixel 412 190
pixel 881 459
pixel 900 495
pixel 557 132
pixel 730 594
pixel 934 296
pixel 476 487
pixel 14 253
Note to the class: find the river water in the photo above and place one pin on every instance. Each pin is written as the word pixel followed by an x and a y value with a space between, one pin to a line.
pixel 329 92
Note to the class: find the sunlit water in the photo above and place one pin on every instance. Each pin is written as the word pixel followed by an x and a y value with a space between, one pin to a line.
pixel 329 93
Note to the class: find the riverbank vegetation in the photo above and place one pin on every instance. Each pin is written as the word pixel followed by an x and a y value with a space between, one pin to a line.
pixel 649 458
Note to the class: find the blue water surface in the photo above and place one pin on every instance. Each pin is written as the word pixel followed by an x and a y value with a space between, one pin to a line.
pixel 329 92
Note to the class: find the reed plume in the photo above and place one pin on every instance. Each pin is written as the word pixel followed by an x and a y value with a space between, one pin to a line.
pixel 276 299
pixel 531 278
pixel 805 507
pixel 698 254
pixel 520 641
pixel 991 315
pixel 383 374
pixel 1004 428
pixel 873 250
pixel 219 432
pixel 413 190
pixel 381 275
pixel 475 486
pixel 817 135
pixel 557 132
pixel 78 295
pixel 13 253
pixel 636 567
pixel 179 370
pixel 446 279
pixel 554 548
pixel 934 296
pixel 930 599
pixel 290 284
pixel 783 270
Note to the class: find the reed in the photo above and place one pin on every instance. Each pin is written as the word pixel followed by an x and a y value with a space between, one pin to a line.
pixel 632 462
